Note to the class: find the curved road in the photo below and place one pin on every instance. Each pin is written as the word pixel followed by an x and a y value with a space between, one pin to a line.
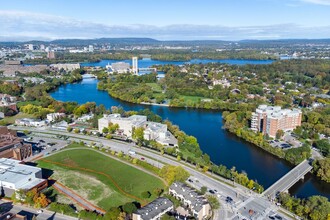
pixel 242 197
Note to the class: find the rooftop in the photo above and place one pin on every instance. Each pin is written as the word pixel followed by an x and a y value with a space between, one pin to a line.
pixel 12 171
pixel 197 201
pixel 154 208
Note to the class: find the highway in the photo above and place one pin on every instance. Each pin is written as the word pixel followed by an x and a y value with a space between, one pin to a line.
pixel 243 199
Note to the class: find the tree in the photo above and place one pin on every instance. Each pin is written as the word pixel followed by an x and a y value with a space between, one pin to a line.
pixel 214 202
pixel 203 190
pixel 146 194
pixel 69 129
pixel 105 130
pixel 172 173
pixel 138 135
pixel 279 134
pixel 129 208
pixel 112 214
pixel 167 217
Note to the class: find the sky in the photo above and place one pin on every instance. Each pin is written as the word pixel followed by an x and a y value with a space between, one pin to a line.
pixel 165 19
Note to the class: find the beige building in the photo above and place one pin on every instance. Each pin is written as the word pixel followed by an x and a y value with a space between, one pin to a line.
pixel 269 119
pixel 196 203
pixel 152 130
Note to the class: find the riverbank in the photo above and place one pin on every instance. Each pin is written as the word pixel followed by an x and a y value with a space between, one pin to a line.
pixel 155 104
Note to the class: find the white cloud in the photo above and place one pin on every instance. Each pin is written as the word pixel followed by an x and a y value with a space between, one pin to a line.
pixel 18 25
pixel 318 2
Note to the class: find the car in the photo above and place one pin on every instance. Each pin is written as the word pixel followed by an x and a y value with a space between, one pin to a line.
pixel 211 191
pixel 41 141
pixel 190 180
pixel 229 199
pixel 142 158
pixel 271 217
pixel 39 211
pixel 278 217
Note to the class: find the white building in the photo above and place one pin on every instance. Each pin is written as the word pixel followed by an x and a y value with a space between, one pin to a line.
pixel 55 116
pixel 85 118
pixel 66 66
pixel 198 204
pixel 125 124
pixel 90 48
pixel 152 130
pixel 119 67
pixel 15 176
pixel 30 122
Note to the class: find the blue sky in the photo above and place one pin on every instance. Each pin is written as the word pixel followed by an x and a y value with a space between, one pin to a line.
pixel 165 19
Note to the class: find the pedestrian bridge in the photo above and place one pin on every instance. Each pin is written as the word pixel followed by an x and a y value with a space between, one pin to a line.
pixel 288 180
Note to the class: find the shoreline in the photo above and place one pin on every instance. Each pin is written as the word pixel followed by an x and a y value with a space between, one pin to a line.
pixel 156 104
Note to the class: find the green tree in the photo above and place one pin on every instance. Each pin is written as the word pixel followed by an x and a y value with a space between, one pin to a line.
pixel 214 202
pixel 112 214
pixel 172 173
pixel 129 208
pixel 203 190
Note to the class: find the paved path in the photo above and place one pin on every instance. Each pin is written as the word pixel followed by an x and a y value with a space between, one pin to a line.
pixel 81 201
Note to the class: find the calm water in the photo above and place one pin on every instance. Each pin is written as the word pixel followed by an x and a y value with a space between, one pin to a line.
pixel 144 63
pixel 206 125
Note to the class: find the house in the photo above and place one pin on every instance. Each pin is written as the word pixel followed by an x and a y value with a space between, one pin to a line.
pixel 55 116
pixel 196 203
pixel 85 118
pixel 154 210
pixel 2 115
pixel 8 101
pixel 17 176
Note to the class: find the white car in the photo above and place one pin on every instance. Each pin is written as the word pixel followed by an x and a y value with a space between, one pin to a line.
pixel 39 211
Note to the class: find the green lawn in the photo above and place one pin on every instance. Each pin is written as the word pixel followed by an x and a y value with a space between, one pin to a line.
pixel 11 120
pixel 191 98
pixel 155 87
pixel 99 188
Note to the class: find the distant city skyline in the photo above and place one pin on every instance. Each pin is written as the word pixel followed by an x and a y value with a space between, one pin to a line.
pixel 165 20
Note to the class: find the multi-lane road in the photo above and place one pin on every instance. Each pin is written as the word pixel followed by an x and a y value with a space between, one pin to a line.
pixel 245 205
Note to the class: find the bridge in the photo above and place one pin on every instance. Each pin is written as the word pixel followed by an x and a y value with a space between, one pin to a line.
pixel 289 179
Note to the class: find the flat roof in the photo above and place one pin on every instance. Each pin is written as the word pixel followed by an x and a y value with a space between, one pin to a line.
pixel 12 171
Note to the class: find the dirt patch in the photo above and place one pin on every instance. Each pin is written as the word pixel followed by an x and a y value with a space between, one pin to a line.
pixel 86 186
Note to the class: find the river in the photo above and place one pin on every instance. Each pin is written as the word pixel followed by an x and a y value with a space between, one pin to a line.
pixel 206 125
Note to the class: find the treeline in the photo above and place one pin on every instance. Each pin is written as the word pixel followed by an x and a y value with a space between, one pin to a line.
pixel 314 207
pixel 237 122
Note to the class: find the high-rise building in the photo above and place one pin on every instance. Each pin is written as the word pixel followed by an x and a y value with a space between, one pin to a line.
pixel 42 47
pixel 135 65
pixel 91 48
pixel 51 54
pixel 30 46
pixel 269 119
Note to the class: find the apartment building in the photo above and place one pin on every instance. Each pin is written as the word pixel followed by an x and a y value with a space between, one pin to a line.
pixel 196 203
pixel 154 210
pixel 270 119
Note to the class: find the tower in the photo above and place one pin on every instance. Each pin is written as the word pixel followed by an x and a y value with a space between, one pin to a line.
pixel 135 65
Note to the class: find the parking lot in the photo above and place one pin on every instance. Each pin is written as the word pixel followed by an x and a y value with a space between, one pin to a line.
pixel 289 141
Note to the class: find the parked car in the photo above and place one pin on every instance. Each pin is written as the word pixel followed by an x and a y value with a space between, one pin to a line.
pixel 211 191
pixel 142 158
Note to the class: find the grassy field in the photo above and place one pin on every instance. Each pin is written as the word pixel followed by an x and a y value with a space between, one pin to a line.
pixel 155 87
pixel 106 182
pixel 191 98
pixel 11 120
